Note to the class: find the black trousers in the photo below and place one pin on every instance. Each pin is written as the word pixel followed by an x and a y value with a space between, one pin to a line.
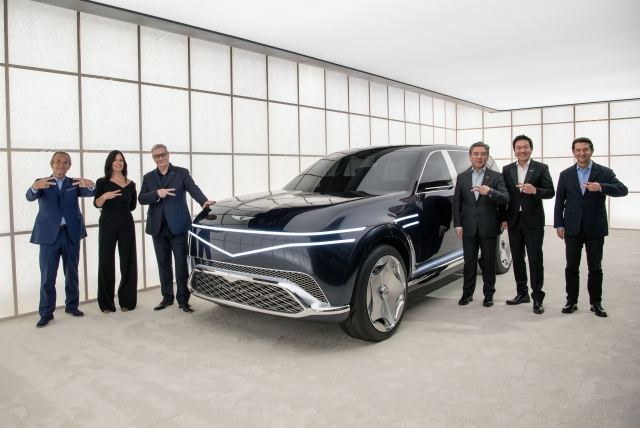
pixel 470 246
pixel 522 238
pixel 117 228
pixel 573 248
pixel 166 243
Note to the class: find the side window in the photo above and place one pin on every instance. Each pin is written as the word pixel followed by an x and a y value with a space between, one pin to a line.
pixel 460 160
pixel 435 174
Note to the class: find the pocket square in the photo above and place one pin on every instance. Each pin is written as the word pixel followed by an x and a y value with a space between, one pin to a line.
pixel 72 188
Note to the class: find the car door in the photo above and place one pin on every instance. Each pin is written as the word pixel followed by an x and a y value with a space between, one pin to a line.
pixel 435 205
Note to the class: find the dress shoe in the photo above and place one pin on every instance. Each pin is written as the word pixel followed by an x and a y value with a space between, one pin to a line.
pixel 44 321
pixel 75 312
pixel 520 298
pixel 598 311
pixel 465 300
pixel 163 305
pixel 487 302
pixel 185 307
pixel 537 307
pixel 569 308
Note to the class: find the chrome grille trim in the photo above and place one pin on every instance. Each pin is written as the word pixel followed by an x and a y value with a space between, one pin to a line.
pixel 258 293
pixel 302 280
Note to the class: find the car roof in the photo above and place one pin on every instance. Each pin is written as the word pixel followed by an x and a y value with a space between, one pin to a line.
pixel 419 148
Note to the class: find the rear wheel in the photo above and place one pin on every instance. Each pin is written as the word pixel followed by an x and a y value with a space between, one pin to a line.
pixel 503 254
pixel 379 296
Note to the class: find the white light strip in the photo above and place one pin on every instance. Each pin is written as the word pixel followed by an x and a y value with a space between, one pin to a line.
pixel 277 247
pixel 405 218
pixel 262 232
pixel 410 224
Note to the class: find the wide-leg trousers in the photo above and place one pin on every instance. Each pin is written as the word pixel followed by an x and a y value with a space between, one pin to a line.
pixel 117 228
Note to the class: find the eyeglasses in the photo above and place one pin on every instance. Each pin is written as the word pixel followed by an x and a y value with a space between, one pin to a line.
pixel 160 155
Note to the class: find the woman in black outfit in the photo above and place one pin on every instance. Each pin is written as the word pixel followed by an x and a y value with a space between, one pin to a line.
pixel 116 197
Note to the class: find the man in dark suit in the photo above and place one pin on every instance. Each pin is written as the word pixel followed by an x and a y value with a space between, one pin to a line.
pixel 478 192
pixel 528 183
pixel 168 221
pixel 580 218
pixel 58 229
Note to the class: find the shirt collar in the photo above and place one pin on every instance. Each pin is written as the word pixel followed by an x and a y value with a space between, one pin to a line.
pixel 59 181
pixel 482 171
pixel 526 165
pixel 588 168
pixel 158 169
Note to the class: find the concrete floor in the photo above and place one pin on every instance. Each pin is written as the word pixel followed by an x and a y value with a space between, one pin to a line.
pixel 448 365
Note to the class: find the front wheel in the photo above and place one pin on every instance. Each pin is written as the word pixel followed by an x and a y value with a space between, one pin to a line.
pixel 379 296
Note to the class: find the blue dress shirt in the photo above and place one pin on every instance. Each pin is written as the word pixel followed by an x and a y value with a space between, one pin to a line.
pixel 583 175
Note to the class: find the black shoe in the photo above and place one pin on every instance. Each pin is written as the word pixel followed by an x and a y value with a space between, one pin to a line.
pixel 44 321
pixel 75 312
pixel 537 307
pixel 487 302
pixel 163 305
pixel 520 298
pixel 185 307
pixel 569 308
pixel 465 300
pixel 598 311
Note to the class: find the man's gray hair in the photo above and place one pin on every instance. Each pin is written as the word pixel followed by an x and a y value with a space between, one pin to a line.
pixel 59 152
pixel 159 146
pixel 479 144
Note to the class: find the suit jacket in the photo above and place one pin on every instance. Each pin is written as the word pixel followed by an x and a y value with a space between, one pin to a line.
pixel 532 210
pixel 54 204
pixel 573 210
pixel 481 215
pixel 174 208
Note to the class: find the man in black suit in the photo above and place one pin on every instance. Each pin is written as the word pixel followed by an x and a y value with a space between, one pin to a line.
pixel 478 192
pixel 528 182
pixel 580 218
pixel 168 221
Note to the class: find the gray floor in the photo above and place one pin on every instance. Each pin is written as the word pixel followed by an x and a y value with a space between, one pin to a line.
pixel 447 366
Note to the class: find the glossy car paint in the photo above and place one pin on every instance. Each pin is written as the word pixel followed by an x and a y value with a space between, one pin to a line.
pixel 327 236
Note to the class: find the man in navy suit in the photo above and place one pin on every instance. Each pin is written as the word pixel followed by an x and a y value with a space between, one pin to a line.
pixel 168 221
pixel 58 229
pixel 580 218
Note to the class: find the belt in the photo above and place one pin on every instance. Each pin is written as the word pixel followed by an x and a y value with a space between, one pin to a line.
pixel 64 226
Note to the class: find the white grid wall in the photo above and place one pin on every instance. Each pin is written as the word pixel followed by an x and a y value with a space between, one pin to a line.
pixel 240 121
pixel 613 127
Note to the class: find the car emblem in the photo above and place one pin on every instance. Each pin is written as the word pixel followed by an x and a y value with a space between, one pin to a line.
pixel 242 217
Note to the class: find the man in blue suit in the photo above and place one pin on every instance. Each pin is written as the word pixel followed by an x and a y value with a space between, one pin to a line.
pixel 168 221
pixel 580 218
pixel 58 229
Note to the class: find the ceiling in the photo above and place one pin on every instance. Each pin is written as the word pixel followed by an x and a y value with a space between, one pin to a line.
pixel 501 54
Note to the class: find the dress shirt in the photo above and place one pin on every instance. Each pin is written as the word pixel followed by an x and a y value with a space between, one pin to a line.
pixel 583 175
pixel 522 173
pixel 476 179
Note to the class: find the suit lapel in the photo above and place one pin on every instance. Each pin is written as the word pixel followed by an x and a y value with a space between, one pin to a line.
pixel 170 176
pixel 156 175
pixel 575 179
pixel 592 176
pixel 57 189
pixel 514 173
pixel 529 174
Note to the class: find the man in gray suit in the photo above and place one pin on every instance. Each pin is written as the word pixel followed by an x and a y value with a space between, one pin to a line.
pixel 478 192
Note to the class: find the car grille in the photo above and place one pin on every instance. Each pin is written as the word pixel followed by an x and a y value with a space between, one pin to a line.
pixel 302 280
pixel 257 295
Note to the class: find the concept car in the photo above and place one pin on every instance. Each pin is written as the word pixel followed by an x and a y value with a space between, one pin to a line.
pixel 343 242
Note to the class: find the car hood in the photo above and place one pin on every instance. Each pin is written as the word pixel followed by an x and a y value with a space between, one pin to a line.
pixel 295 211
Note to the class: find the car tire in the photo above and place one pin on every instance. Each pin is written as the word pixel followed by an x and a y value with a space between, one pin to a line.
pixel 379 296
pixel 503 254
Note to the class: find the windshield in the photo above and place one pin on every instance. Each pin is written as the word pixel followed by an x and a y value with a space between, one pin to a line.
pixel 379 170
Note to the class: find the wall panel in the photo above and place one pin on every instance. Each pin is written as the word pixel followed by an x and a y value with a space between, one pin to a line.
pixel 210 66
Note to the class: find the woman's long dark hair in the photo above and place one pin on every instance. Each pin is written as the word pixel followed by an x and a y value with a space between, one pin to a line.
pixel 109 163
